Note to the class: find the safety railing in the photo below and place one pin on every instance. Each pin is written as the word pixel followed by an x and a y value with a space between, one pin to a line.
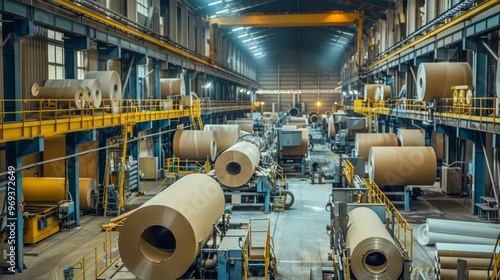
pixel 259 243
pixel 100 258
pixel 217 106
pixel 348 170
pixel 403 231
pixel 494 267
pixel 184 166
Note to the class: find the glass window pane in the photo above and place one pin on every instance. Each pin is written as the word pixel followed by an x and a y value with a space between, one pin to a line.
pixel 51 52
pixel 60 72
pixel 59 55
pixel 52 72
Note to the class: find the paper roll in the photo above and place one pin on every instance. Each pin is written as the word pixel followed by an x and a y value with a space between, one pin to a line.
pixel 293 112
pixel 72 94
pixel 364 141
pixel 451 262
pixel 245 124
pixel 369 91
pixel 274 116
pixel 313 117
pixel 473 274
pixel 383 92
pixel 410 137
pixel 111 87
pixel 172 87
pixel 297 151
pixel 401 166
pixel 92 84
pixel 438 144
pixel 374 254
pixel 236 165
pixel 225 135
pixel 195 144
pixel 163 237
pixel 289 127
pixel 434 80
pixel 331 128
pixel 463 250
pixel 51 190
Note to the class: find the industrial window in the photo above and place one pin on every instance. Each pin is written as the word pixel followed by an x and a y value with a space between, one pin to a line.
pixel 142 7
pixel 55 54
pixel 81 64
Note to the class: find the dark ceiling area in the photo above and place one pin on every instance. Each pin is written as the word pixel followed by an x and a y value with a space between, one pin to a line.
pixel 328 42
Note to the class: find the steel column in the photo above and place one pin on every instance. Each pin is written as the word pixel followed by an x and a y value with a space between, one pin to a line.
pixel 156 78
pixel 479 174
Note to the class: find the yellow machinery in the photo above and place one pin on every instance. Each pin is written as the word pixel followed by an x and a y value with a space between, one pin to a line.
pixel 41 222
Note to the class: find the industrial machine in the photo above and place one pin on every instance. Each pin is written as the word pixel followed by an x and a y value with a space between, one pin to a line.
pixel 292 152
pixel 42 221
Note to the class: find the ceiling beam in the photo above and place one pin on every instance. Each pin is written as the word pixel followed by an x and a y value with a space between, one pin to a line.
pixel 380 3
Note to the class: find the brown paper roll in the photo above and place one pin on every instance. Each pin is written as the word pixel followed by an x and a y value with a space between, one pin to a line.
pixel 51 190
pixel 314 117
pixel 438 144
pixel 451 274
pixel 374 254
pixel 369 91
pixel 236 165
pixel 298 151
pixel 92 84
pixel 434 80
pixel 195 144
pixel 410 137
pixel 245 124
pixel 451 262
pixel 225 135
pixel 172 87
pixel 364 141
pixel 331 128
pixel 75 95
pixel 383 92
pixel 400 166
pixel 111 87
pixel 163 237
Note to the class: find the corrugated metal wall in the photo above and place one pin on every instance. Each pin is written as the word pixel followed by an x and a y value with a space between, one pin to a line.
pixel 34 60
pixel 298 71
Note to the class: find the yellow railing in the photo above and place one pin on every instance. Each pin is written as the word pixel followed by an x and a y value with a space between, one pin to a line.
pixel 348 170
pixel 45 117
pixel 181 166
pixel 267 242
pixel 495 261
pixel 101 257
pixel 403 231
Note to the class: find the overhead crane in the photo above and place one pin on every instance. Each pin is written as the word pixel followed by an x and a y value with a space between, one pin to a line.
pixel 335 18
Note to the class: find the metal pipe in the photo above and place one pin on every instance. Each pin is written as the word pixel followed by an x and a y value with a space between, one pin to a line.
pixel 492 52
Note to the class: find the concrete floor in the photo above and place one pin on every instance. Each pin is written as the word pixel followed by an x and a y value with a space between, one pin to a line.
pixel 299 234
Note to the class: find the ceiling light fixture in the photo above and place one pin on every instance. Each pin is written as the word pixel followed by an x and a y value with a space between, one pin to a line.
pixel 247 40
pixel 214 3
pixel 243 35
pixel 252 47
pixel 238 28
pixel 223 11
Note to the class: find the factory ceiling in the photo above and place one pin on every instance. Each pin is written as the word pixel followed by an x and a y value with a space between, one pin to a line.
pixel 330 41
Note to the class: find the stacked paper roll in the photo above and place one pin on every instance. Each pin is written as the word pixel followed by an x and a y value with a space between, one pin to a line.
pixel 298 151
pixel 401 166
pixel 225 135
pixel 364 141
pixel 92 84
pixel 195 144
pixel 410 137
pixel 434 80
pixel 236 165
pixel 448 253
pixel 331 128
pixel 369 91
pixel 51 190
pixel 374 254
pixel 438 231
pixel 293 112
pixel 162 238
pixel 172 87
pixel 72 94
pixel 111 87
pixel 383 92
pixel 246 124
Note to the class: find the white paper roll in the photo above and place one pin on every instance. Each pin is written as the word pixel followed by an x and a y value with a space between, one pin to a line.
pixel 111 87
pixel 236 165
pixel 374 254
pixel 434 80
pixel 195 144
pixel 92 84
pixel 225 135
pixel 162 238
pixel 172 87
pixel 75 94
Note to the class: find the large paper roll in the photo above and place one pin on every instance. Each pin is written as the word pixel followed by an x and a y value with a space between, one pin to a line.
pixel 236 165
pixel 472 274
pixel 331 128
pixel 434 80
pixel 297 151
pixel 172 87
pixel 225 135
pixel 195 144
pixel 364 141
pixel 244 124
pixel 75 95
pixel 374 254
pixel 301 122
pixel 51 190
pixel 451 262
pixel 293 112
pixel 401 166
pixel 410 137
pixel 92 84
pixel 163 237
pixel 111 87
pixel 438 144
pixel 314 117
pixel 383 92
pixel 369 91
